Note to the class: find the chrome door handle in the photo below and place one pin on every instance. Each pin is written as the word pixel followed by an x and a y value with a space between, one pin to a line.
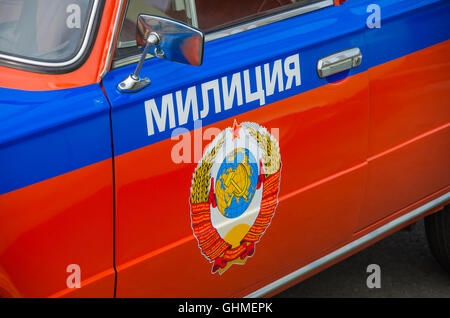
pixel 339 62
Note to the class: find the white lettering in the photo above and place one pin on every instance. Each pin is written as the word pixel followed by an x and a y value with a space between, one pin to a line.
pixel 235 89
pixel 259 93
pixel 183 109
pixel 275 78
pixel 214 85
pixel 292 72
pixel 151 112
pixel 283 74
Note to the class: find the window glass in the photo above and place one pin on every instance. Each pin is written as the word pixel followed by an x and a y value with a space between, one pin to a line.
pixel 44 30
pixel 217 14
pixel 207 15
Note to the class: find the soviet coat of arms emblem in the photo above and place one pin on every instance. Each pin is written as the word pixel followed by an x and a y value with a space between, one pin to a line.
pixel 234 193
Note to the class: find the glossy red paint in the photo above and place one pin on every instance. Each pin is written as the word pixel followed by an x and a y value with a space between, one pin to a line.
pixel 51 224
pixel 359 179
pixel 355 237
pixel 409 96
pixel 351 143
pixel 409 131
pixel 154 199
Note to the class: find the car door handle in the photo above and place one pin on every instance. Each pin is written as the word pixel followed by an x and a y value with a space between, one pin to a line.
pixel 339 62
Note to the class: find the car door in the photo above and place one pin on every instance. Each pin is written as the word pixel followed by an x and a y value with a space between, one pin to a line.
pixel 409 106
pixel 56 170
pixel 259 73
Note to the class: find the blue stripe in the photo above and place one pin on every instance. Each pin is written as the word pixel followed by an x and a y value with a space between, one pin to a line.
pixel 407 26
pixel 45 134
pixel 48 133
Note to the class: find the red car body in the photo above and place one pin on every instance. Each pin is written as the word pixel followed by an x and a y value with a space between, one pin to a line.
pixel 362 156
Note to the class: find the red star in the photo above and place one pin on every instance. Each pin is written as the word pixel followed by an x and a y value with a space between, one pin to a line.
pixel 235 129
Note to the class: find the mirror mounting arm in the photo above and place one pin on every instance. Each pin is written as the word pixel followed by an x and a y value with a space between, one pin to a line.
pixel 153 39
pixel 173 41
pixel 133 83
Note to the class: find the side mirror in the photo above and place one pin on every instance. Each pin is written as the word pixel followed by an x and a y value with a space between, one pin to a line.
pixel 172 40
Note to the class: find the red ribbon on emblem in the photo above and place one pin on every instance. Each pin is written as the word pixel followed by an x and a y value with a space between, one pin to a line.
pixel 210 242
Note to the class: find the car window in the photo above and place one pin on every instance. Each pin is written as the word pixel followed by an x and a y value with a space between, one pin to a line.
pixel 217 14
pixel 177 10
pixel 43 30
pixel 207 15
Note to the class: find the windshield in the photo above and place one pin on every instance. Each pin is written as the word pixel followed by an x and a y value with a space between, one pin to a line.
pixel 43 30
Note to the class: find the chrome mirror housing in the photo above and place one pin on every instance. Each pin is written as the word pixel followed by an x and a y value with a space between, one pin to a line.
pixel 178 42
pixel 172 41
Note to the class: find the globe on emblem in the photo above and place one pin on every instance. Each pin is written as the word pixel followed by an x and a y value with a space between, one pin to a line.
pixel 236 183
